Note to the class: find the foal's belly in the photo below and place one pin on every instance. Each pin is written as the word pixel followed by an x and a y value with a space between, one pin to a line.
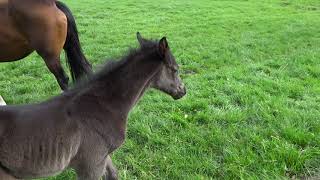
pixel 32 157
pixel 13 45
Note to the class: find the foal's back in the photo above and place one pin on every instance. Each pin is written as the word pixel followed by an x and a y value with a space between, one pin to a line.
pixel 37 140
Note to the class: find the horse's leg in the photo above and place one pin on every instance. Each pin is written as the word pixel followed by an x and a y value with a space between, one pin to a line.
pixel 49 47
pixel 46 28
pixel 5 176
pixel 111 172
pixel 54 65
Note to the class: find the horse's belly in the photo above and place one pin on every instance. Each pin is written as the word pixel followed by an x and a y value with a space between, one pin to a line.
pixel 13 45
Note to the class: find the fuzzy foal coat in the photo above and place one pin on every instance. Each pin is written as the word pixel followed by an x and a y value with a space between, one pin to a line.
pixel 79 128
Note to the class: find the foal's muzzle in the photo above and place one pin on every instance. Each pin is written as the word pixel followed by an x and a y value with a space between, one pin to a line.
pixel 181 91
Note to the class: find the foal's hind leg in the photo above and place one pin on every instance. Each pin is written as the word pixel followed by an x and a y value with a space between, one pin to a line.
pixel 111 172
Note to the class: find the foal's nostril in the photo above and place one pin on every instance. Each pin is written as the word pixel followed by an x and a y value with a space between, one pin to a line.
pixel 182 90
pixel 179 93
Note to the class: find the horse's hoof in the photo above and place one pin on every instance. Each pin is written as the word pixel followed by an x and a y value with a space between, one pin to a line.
pixel 2 102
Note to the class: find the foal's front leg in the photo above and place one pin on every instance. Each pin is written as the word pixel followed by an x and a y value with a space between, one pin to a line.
pixel 111 172
pixel 90 170
pixel 86 174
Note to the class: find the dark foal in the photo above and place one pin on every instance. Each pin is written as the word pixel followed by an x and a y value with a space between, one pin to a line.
pixel 44 26
pixel 80 128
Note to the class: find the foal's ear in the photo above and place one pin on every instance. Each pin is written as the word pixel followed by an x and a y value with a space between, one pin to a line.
pixel 141 39
pixel 163 46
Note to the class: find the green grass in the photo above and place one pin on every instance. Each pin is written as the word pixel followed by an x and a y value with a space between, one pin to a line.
pixel 252 69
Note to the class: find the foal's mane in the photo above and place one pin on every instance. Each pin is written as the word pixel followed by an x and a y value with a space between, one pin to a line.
pixel 112 65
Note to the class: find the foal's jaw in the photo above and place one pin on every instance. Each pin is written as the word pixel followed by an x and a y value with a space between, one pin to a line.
pixel 176 91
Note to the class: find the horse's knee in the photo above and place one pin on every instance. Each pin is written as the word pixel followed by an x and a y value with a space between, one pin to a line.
pixel 53 63
pixel 55 67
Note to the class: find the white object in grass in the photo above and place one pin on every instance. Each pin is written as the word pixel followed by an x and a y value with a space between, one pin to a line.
pixel 2 102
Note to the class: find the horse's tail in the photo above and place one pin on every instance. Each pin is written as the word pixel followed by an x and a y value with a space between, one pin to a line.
pixel 78 64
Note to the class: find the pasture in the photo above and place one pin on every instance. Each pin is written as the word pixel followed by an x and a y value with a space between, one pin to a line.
pixel 252 72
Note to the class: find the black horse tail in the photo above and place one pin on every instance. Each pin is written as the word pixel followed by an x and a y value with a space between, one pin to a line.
pixel 78 64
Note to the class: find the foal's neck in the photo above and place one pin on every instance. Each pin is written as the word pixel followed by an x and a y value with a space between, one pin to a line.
pixel 122 88
pixel 103 103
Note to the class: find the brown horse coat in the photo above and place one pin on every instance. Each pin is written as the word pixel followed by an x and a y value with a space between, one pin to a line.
pixel 41 26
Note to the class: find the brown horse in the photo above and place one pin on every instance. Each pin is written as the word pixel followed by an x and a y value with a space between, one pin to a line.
pixel 44 26
pixel 80 128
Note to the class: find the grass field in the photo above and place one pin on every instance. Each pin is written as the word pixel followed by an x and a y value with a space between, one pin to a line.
pixel 252 69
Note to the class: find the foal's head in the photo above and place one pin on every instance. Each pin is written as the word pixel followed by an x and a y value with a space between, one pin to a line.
pixel 167 79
